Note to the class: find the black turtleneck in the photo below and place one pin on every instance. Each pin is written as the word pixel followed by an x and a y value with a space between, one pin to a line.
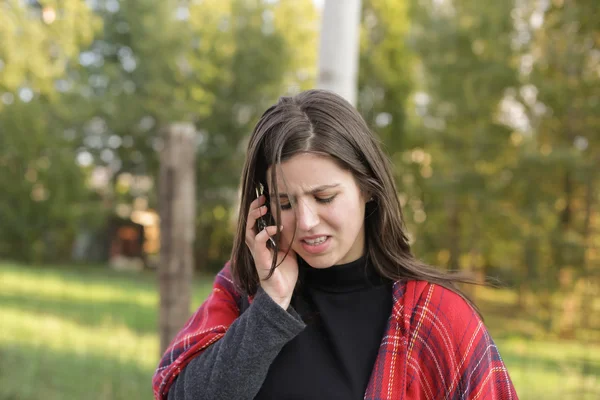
pixel 346 308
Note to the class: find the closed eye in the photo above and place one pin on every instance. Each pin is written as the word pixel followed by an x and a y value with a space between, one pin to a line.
pixel 325 200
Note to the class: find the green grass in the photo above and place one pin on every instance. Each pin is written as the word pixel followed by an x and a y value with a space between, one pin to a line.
pixel 540 365
pixel 90 333
pixel 80 333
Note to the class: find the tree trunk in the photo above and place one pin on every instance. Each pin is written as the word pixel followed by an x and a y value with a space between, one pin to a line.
pixel 339 46
pixel 530 257
pixel 454 233
pixel 529 274
pixel 588 279
pixel 474 267
pixel 177 202
pixel 563 268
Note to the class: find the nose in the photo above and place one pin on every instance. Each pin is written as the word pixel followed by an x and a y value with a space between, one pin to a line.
pixel 306 215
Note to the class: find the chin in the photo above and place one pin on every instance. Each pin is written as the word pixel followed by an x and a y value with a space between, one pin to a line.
pixel 319 261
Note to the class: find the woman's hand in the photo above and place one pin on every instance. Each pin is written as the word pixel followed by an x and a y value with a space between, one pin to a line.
pixel 280 286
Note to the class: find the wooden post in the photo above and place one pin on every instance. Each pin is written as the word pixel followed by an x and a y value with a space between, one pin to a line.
pixel 177 205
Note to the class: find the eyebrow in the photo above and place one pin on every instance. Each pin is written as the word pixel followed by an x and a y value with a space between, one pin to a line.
pixel 318 189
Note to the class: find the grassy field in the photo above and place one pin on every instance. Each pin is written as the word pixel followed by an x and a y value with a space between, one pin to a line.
pixel 90 333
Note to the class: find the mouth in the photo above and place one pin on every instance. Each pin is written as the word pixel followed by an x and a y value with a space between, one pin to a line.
pixel 316 244
pixel 315 241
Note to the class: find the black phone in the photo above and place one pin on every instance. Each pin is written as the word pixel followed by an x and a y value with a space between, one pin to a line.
pixel 263 222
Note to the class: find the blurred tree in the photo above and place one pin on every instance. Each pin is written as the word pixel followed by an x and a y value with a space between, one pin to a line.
pixel 561 93
pixel 38 39
pixel 465 65
pixel 43 190
pixel 386 70
pixel 265 49
pixel 40 180
pixel 217 64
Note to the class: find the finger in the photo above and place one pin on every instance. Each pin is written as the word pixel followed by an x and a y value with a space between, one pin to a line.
pixel 253 212
pixel 258 247
pixel 254 215
pixel 259 201
pixel 260 241
pixel 251 222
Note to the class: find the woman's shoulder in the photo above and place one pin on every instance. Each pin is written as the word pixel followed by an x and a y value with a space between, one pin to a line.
pixel 414 299
pixel 224 279
pixel 224 290
pixel 447 344
pixel 224 275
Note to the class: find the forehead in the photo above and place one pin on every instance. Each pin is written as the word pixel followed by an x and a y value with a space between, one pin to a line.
pixel 307 171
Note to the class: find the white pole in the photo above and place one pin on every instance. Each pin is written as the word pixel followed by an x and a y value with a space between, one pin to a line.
pixel 339 48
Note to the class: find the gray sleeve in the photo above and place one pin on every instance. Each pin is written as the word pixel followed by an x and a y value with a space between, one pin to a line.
pixel 235 366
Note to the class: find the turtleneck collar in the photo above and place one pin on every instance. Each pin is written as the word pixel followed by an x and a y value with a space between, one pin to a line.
pixel 349 277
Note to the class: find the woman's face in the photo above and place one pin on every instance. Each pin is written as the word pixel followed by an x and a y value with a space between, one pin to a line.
pixel 325 206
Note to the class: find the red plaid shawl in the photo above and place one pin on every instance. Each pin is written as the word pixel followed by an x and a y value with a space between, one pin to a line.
pixel 435 346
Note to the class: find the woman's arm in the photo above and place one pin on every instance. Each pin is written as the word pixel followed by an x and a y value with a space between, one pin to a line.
pixel 217 328
pixel 235 366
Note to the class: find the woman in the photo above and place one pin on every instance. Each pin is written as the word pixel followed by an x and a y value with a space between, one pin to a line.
pixel 327 301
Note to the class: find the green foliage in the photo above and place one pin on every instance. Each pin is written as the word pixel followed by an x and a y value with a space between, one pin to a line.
pixel 501 174
pixel 385 70
pixel 450 176
pixel 217 64
pixel 563 108
pixel 39 39
pixel 43 193
pixel 488 110
pixel 264 59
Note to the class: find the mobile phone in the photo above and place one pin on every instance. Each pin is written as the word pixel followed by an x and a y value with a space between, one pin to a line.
pixel 261 223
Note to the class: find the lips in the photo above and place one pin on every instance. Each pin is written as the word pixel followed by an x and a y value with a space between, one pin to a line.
pixel 315 241
pixel 315 244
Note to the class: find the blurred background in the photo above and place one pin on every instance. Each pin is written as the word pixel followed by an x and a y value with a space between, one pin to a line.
pixel 490 111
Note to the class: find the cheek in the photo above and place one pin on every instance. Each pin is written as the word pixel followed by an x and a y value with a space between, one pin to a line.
pixel 347 225
pixel 345 216
pixel 289 224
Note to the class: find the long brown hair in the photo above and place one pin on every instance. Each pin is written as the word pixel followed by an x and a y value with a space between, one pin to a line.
pixel 321 122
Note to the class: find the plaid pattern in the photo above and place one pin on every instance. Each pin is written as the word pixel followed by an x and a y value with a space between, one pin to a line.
pixel 435 346
pixel 207 325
